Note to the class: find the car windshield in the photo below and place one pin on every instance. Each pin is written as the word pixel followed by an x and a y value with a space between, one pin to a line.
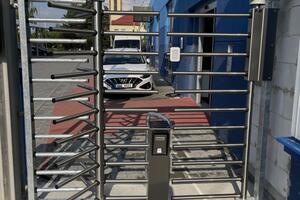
pixel 127 44
pixel 123 59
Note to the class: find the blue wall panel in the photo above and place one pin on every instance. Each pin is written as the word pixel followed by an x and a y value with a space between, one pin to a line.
pixel 233 25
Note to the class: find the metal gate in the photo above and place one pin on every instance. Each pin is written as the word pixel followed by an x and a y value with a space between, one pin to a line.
pixel 89 162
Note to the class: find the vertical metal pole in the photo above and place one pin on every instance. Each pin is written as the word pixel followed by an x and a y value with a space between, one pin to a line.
pixel 99 98
pixel 11 177
pixel 27 94
pixel 247 141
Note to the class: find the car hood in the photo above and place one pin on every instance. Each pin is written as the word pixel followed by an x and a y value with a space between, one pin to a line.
pixel 125 67
pixel 129 67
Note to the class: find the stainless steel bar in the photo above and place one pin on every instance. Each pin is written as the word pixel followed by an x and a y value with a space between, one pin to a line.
pixel 59 41
pixel 57 172
pixel 211 73
pixel 207 127
pixel 72 96
pixel 247 141
pixel 67 7
pixel 55 154
pixel 126 198
pixel 205 180
pixel 48 136
pixel 87 87
pixel 133 128
pixel 126 146
pixel 205 162
pixel 76 136
pixel 70 189
pixel 130 72
pixel 75 196
pixel 54 117
pixel 66 181
pixel 72 30
pixel 87 104
pixel 74 157
pixel 205 196
pixel 112 164
pixel 149 13
pixel 126 181
pixel 99 99
pixel 131 92
pixel 211 91
pixel 61 1
pixel 73 74
pixel 84 69
pixel 38 80
pixel 131 53
pixel 50 99
pixel 75 53
pixel 131 33
pixel 209 14
pixel 130 110
pixel 46 20
pixel 209 34
pixel 205 146
pixel 210 109
pixel 27 97
pixel 59 60
pixel 211 54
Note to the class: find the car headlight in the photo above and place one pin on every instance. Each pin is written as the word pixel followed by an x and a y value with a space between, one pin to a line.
pixel 145 75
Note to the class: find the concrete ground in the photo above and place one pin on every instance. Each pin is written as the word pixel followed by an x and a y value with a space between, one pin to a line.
pixel 166 105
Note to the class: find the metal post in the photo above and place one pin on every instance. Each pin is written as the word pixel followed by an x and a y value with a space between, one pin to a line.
pixel 264 123
pixel 11 162
pixel 247 141
pixel 27 94
pixel 158 157
pixel 99 118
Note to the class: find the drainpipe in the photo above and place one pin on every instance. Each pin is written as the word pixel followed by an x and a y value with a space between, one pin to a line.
pixel 264 119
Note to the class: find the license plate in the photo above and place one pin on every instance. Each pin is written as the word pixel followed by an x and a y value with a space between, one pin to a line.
pixel 128 85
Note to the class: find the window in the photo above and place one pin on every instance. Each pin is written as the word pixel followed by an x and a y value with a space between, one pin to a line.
pixel 296 105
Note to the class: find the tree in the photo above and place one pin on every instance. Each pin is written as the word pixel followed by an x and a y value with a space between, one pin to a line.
pixel 86 26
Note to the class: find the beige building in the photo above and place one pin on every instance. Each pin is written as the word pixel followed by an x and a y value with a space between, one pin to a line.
pixel 123 23
pixel 115 5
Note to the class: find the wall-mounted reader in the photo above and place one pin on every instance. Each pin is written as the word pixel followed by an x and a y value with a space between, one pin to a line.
pixel 175 54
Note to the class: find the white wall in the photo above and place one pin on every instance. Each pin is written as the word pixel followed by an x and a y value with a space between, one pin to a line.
pixel 283 84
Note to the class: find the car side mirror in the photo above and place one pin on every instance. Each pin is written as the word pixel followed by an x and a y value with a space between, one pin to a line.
pixel 148 60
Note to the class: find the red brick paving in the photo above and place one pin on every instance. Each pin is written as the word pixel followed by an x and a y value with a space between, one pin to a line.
pixel 165 106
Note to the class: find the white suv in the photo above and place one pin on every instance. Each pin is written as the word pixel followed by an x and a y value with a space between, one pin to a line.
pixel 126 63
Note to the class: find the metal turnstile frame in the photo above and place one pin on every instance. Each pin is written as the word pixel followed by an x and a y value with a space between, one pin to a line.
pixel 98 110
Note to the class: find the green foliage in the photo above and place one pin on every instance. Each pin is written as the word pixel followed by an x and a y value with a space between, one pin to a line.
pixel 86 26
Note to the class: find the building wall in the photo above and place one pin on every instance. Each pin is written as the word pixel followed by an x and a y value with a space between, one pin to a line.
pixel 219 63
pixel 115 5
pixel 129 28
pixel 281 107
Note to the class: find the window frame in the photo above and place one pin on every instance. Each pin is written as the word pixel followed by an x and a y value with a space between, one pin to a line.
pixel 296 105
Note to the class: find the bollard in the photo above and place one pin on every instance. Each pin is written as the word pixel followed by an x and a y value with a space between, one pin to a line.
pixel 159 156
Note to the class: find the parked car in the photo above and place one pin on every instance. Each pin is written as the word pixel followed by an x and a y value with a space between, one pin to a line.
pixel 127 63
pixel 127 42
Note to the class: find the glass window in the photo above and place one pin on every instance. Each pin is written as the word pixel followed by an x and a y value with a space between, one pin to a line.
pixel 123 59
pixel 127 44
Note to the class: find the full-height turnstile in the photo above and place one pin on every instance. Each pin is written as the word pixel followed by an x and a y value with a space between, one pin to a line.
pixel 92 156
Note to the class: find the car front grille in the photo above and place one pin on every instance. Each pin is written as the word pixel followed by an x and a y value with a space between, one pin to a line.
pixel 113 81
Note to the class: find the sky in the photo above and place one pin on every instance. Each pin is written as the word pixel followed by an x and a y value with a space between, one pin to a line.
pixel 45 12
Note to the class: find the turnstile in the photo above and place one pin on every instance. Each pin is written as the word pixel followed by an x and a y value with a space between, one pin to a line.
pixel 85 169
